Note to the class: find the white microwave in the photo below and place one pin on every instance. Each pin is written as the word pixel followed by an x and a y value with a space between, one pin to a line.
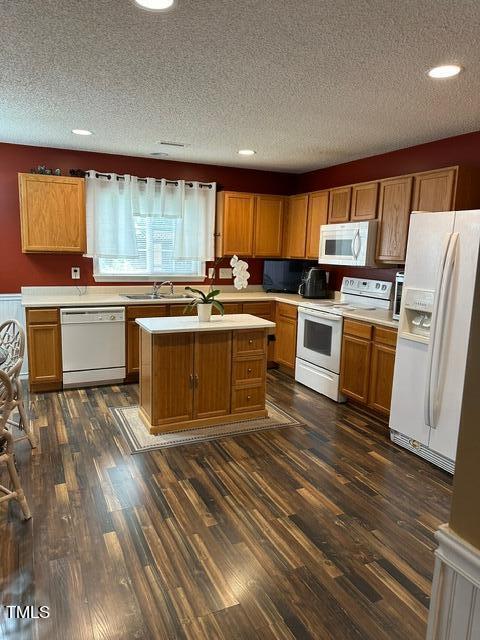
pixel 351 243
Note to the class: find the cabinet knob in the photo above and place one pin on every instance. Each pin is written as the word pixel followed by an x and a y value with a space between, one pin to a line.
pixel 249 397
pixel 249 370
pixel 250 341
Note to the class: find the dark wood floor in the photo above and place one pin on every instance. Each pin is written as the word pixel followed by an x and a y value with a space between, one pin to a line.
pixel 323 531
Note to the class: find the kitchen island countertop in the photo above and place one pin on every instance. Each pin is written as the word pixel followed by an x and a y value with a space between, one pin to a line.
pixel 190 324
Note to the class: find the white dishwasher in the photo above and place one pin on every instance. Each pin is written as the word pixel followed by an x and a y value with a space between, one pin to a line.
pixel 93 345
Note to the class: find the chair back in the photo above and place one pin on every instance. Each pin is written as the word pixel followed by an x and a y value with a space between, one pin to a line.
pixel 6 400
pixel 12 343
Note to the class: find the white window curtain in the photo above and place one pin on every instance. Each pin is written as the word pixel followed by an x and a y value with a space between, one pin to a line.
pixel 112 204
pixel 194 238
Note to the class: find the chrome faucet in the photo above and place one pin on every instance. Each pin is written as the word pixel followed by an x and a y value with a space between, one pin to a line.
pixel 156 287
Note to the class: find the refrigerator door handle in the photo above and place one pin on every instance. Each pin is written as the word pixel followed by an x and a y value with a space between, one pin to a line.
pixel 433 332
pixel 446 282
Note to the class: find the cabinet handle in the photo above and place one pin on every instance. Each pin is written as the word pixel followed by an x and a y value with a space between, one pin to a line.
pixel 191 380
pixel 196 380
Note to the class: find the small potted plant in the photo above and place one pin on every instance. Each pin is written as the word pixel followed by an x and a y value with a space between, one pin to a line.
pixel 204 303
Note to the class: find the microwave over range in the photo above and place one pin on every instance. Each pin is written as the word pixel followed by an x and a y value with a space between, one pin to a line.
pixel 350 244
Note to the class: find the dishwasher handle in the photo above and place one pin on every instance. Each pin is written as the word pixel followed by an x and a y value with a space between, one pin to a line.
pixel 89 315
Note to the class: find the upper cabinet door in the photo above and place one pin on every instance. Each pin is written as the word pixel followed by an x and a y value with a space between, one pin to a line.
pixel 433 191
pixel 268 226
pixel 339 206
pixel 317 215
pixel 235 218
pixel 394 215
pixel 52 213
pixel 364 201
pixel 295 233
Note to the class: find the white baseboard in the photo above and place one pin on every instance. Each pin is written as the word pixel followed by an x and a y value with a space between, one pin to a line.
pixel 455 604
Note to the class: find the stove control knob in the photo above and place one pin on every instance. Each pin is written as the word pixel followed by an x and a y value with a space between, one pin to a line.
pixel 384 286
pixel 377 286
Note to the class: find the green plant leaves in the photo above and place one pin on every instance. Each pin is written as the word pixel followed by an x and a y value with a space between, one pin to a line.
pixel 218 305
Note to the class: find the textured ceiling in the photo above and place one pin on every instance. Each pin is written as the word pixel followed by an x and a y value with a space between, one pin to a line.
pixel 306 83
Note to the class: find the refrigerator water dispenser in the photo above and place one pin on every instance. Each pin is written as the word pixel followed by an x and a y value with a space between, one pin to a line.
pixel 416 319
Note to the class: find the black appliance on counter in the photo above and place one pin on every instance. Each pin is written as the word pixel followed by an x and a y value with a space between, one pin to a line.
pixel 314 283
pixel 283 276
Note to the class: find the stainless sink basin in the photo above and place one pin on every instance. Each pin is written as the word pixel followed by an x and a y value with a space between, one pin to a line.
pixel 158 296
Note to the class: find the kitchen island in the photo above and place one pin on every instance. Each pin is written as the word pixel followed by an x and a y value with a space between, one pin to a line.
pixel 199 374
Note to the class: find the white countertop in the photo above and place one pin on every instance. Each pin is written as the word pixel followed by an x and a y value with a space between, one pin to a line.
pixel 100 296
pixel 106 299
pixel 375 316
pixel 190 324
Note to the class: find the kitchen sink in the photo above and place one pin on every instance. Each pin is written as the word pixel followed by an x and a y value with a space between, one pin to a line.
pixel 158 296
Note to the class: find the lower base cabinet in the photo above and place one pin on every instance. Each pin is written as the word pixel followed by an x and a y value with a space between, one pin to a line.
pixel 201 378
pixel 132 334
pixel 286 335
pixel 367 364
pixel 44 349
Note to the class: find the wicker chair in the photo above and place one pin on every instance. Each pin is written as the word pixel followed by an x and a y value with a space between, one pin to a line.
pixel 6 447
pixel 12 344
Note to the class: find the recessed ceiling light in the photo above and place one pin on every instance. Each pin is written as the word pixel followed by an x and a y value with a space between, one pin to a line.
pixel 82 132
pixel 246 152
pixel 155 5
pixel 445 71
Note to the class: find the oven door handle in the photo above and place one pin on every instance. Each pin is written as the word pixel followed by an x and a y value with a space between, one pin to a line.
pixel 320 314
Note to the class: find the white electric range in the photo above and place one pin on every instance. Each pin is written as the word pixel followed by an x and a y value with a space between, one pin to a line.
pixel 319 336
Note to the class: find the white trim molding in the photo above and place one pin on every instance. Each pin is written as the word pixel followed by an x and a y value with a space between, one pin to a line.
pixel 455 603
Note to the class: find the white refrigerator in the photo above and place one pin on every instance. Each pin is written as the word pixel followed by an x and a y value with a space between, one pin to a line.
pixel 441 272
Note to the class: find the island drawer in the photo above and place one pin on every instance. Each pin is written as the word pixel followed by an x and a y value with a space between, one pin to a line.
pixel 248 371
pixel 248 398
pixel 252 342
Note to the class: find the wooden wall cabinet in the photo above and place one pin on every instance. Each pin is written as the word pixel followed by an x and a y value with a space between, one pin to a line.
pixel 434 191
pixel 364 201
pixel 295 234
pixel 249 225
pixel 44 349
pixel 52 213
pixel 268 236
pixel 235 223
pixel 394 216
pixel 367 364
pixel 317 216
pixel 339 205
pixel 286 335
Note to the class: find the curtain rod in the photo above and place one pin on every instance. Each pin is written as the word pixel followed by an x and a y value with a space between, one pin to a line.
pixel 121 177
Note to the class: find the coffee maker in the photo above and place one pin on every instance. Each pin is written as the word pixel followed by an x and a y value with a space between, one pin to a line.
pixel 314 283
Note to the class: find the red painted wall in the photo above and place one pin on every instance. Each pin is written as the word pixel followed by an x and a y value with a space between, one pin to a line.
pixel 464 150
pixel 18 269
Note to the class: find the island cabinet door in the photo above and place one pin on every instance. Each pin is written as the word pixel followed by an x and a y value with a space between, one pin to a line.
pixel 212 374
pixel 172 376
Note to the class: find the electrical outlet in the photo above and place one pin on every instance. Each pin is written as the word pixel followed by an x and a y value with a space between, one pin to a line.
pixel 75 273
pixel 211 272
pixel 226 274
